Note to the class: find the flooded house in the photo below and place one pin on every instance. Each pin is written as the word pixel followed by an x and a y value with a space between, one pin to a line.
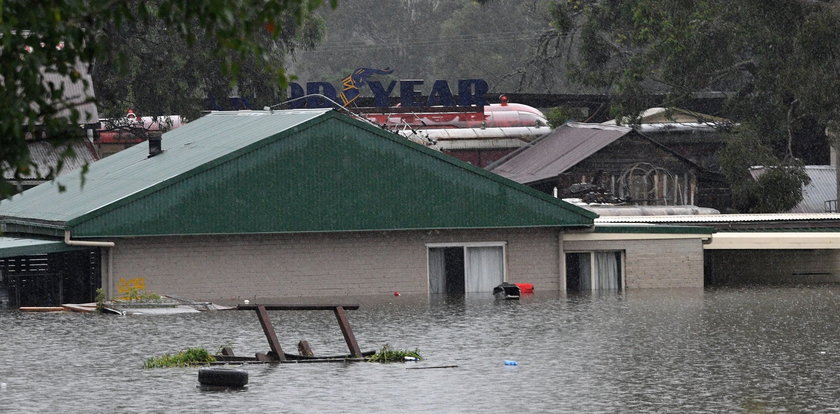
pixel 616 160
pixel 314 203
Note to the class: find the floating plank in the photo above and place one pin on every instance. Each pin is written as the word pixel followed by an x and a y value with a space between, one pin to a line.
pixel 42 309
pixel 296 307
pixel 79 308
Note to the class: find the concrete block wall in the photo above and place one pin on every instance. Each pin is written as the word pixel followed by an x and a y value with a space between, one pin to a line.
pixel 317 264
pixel 658 263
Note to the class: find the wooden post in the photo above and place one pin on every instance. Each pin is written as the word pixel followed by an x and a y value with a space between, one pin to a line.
pixel 268 329
pixel 341 315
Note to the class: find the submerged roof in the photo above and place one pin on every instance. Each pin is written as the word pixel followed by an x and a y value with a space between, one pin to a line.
pixel 283 171
pixel 558 151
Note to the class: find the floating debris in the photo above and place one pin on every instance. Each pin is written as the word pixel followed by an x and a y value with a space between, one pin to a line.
pixel 185 358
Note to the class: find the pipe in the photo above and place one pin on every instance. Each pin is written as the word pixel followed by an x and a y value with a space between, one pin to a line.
pixel 69 242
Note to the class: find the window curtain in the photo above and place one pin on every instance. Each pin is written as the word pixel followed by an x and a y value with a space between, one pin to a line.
pixel 484 268
pixel 606 271
pixel 437 271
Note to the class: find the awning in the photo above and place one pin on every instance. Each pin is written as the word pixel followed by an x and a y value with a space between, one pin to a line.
pixel 15 246
pixel 773 240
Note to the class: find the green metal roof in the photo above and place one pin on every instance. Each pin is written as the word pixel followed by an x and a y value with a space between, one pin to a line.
pixel 284 171
pixel 14 246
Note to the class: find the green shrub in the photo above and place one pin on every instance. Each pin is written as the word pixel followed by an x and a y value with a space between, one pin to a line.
pixel 185 358
pixel 386 354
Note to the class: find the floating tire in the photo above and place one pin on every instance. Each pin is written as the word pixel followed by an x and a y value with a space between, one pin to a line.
pixel 222 377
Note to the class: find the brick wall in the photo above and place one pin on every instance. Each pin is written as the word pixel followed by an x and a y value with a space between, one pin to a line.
pixel 669 263
pixel 336 264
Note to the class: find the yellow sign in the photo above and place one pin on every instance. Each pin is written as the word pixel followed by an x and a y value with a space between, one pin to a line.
pixel 128 285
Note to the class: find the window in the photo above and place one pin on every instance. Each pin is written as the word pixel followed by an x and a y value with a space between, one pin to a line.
pixel 465 268
pixel 600 270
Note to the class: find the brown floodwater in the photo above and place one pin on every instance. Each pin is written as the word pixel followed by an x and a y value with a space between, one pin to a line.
pixel 756 349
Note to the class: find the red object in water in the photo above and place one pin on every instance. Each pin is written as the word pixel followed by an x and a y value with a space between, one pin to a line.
pixel 525 287
pixel 396 293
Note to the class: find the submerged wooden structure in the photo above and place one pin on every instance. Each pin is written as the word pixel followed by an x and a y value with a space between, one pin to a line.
pixel 276 354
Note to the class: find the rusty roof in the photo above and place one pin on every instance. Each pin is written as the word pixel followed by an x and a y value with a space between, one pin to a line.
pixel 558 151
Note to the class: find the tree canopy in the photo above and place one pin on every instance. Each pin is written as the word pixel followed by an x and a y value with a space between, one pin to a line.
pixel 165 56
pixel 777 62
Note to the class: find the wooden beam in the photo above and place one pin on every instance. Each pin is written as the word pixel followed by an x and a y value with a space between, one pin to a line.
pixel 296 307
pixel 341 315
pixel 268 329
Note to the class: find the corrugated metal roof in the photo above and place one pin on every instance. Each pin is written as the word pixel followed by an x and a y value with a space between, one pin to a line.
pixel 131 171
pixel 15 246
pixel 77 92
pixel 719 218
pixel 823 187
pixel 286 171
pixel 558 151
pixel 675 116
pixel 46 155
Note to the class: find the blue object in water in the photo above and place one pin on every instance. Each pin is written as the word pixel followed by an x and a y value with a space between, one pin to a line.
pixel 511 363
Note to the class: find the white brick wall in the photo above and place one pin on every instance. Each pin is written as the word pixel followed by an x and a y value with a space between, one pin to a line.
pixel 670 263
pixel 336 264
pixel 370 263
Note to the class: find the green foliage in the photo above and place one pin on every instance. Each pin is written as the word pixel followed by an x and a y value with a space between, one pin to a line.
pixel 135 294
pixel 775 61
pixel 559 115
pixel 163 56
pixel 778 189
pixel 386 354
pixel 185 358
pixel 100 299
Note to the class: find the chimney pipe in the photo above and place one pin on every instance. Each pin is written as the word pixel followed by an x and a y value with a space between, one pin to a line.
pixel 155 147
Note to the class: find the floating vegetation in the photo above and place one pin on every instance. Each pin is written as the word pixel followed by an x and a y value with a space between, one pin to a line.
pixel 134 294
pixel 386 354
pixel 185 358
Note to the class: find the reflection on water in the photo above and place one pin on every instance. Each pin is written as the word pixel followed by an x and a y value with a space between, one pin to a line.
pixel 727 350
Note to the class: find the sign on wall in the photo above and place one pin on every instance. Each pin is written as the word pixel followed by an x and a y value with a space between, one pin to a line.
pixel 470 91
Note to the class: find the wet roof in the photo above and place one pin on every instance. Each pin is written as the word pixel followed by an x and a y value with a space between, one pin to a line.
pixel 283 171
pixel 558 151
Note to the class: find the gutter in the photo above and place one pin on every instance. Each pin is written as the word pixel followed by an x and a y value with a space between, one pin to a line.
pixel 69 242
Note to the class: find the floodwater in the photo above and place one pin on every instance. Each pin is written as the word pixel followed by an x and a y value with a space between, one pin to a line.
pixel 755 350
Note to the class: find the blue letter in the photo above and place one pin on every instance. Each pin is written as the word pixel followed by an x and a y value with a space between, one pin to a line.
pixel 380 95
pixel 296 92
pixel 408 95
pixel 471 92
pixel 323 88
pixel 440 95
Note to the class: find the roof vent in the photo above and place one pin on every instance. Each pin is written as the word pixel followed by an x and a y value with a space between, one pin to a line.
pixel 155 147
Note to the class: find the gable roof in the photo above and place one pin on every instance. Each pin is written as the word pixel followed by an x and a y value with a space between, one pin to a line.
pixel 565 147
pixel 283 171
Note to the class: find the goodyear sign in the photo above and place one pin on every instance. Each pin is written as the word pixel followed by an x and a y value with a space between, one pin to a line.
pixel 470 92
